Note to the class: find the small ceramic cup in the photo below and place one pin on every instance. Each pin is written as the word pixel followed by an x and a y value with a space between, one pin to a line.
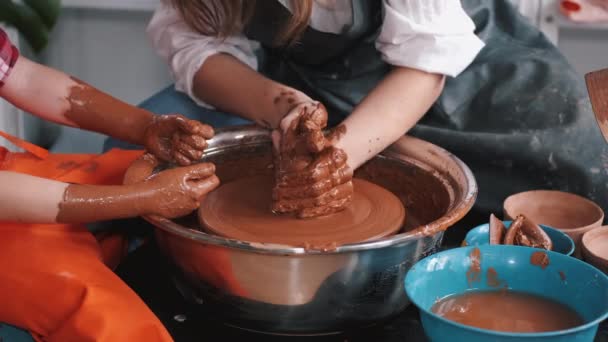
pixel 595 248
pixel 569 213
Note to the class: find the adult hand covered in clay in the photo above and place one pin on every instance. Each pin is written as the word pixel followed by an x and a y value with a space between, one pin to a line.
pixel 174 138
pixel 312 177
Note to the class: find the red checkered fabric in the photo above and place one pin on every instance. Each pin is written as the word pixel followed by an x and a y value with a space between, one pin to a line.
pixel 8 56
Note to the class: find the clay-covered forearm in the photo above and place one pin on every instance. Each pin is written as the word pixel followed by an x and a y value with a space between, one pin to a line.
pixel 32 199
pixel 388 112
pixel 90 203
pixel 171 193
pixel 55 96
pixel 231 86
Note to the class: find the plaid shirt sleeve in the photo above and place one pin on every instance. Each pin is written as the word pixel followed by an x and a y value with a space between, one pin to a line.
pixel 8 56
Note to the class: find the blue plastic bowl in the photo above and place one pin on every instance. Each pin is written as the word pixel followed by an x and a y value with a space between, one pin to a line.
pixel 480 235
pixel 570 281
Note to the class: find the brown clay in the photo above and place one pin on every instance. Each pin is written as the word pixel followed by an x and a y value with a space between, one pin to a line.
pixel 532 235
pixel 522 232
pixel 175 138
pixel 493 279
pixel 169 137
pixel 595 247
pixel 507 311
pixel 570 213
pixel 240 210
pixel 540 259
pixel 497 230
pixel 513 230
pixel 171 193
pixel 312 177
pixel 474 271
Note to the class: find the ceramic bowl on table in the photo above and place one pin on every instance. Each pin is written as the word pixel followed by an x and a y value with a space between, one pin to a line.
pixel 572 214
pixel 564 279
pixel 281 289
pixel 595 248
pixel 480 235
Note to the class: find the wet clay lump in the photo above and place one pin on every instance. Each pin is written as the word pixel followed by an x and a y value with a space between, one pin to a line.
pixel 241 210
pixel 312 177
pixel 522 232
pixel 507 311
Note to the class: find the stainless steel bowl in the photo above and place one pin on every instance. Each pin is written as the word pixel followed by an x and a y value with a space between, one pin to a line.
pixel 285 290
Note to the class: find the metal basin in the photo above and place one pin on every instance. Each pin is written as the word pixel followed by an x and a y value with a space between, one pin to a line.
pixel 285 290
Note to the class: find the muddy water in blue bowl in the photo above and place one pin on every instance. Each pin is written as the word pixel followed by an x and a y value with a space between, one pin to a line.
pixel 545 275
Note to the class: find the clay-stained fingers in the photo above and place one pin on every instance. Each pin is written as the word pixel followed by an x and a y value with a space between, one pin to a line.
pixel 195 141
pixel 291 179
pixel 339 176
pixel 181 159
pixel 292 166
pixel 314 118
pixel 299 122
pixel 195 127
pixel 203 186
pixel 286 191
pixel 328 209
pixel 299 192
pixel 291 120
pixel 187 150
pixel 339 192
pixel 160 151
pixel 141 169
pixel 311 126
pixel 315 141
pixel 328 163
pixel 198 171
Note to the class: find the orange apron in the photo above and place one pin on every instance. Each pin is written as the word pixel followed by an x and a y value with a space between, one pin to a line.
pixel 54 281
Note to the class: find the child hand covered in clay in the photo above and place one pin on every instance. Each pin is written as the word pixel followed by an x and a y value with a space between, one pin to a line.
pixel 312 177
pixel 53 95
pixel 392 108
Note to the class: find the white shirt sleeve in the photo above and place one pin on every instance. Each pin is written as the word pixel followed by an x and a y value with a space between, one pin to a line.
pixel 185 50
pixel 431 35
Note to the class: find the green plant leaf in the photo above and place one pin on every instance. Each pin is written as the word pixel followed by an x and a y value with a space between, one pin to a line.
pixel 48 10
pixel 32 25
pixel 28 23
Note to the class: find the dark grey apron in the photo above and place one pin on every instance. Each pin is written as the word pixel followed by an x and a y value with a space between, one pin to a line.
pixel 519 115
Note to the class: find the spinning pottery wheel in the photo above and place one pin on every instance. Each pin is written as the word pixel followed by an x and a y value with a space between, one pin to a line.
pixel 286 289
pixel 241 210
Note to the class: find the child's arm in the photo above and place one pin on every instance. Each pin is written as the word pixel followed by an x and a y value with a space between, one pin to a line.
pixel 171 193
pixel 385 115
pixel 388 112
pixel 232 86
pixel 57 97
pixel 324 185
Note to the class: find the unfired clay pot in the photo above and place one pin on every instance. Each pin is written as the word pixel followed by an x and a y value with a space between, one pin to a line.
pixel 595 247
pixel 570 213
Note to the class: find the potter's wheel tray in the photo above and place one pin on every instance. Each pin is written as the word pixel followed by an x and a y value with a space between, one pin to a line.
pixel 241 210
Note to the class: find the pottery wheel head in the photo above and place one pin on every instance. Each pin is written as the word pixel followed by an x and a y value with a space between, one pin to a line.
pixel 241 210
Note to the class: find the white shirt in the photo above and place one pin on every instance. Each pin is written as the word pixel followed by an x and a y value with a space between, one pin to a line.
pixel 431 35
